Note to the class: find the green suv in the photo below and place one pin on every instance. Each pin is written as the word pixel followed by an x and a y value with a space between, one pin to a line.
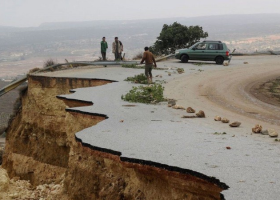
pixel 206 50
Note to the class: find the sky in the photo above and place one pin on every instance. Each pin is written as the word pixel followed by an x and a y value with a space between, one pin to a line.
pixel 30 13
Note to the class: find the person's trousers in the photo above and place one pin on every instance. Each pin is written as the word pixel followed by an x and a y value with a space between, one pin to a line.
pixel 103 55
pixel 148 70
pixel 118 56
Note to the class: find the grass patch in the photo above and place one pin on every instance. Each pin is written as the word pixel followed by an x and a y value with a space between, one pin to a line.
pixel 275 87
pixel 141 78
pixel 145 94
pixel 180 70
pixel 198 64
pixel 218 133
pixel 134 66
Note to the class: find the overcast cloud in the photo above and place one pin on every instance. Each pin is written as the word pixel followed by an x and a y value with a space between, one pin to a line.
pixel 25 13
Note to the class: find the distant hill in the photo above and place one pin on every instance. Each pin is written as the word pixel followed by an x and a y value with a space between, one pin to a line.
pixel 60 38
pixel 250 23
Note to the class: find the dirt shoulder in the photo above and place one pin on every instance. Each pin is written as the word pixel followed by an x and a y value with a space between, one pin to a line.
pixel 268 92
pixel 231 91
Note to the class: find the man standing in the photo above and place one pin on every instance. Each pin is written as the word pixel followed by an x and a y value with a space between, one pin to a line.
pixel 104 47
pixel 149 59
pixel 117 48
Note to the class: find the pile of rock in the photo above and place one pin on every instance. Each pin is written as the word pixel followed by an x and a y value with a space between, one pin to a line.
pixel 21 189
pixel 258 129
pixel 225 120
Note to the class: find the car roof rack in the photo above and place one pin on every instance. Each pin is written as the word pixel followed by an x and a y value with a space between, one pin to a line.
pixel 212 41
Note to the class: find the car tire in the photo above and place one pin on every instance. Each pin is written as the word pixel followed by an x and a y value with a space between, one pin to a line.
pixel 219 60
pixel 184 59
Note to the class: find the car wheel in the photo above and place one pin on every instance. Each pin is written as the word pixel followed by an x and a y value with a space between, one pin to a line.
pixel 219 60
pixel 184 58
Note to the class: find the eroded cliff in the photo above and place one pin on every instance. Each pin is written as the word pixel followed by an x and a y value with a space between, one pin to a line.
pixel 41 147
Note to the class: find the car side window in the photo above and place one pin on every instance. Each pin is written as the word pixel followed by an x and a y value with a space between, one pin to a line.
pixel 213 46
pixel 201 46
pixel 220 46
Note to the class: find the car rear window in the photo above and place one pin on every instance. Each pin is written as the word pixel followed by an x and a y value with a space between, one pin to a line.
pixel 215 46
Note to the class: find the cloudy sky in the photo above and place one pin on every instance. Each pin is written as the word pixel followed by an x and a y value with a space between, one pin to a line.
pixel 24 13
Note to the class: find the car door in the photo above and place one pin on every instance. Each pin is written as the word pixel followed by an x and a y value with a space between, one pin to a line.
pixel 213 50
pixel 198 51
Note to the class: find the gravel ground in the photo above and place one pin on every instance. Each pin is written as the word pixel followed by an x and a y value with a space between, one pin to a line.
pixel 159 134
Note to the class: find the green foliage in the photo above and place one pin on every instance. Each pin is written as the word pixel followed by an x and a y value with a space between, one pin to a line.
pixel 180 70
pixel 217 133
pixel 145 94
pixel 132 66
pixel 176 36
pixel 140 78
pixel 198 64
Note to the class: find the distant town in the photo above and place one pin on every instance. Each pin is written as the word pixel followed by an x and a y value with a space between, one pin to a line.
pixel 22 49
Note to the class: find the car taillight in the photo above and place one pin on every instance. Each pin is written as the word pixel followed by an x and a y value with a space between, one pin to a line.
pixel 227 53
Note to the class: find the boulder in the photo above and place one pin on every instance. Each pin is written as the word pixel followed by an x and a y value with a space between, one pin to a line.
pixel 178 107
pixel 217 118
pixel 235 124
pixel 225 120
pixel 190 110
pixel 272 133
pixel 257 128
pixel 264 132
pixel 200 114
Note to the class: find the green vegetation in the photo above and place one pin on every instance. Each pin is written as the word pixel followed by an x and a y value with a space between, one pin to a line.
pixel 140 78
pixel 176 36
pixel 145 94
pixel 218 133
pixel 134 66
pixel 198 64
pixel 180 70
pixel 275 86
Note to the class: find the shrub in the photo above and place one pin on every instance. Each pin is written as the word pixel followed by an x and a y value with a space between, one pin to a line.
pixel 180 70
pixel 140 78
pixel 145 94
pixel 49 62
pixel 34 70
pixel 132 66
